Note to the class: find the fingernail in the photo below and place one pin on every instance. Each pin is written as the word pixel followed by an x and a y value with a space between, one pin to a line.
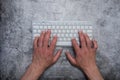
pixel 49 30
pixel 55 36
pixel 36 37
pixel 43 31
pixel 94 40
pixel 80 30
pixel 67 50
pixel 73 38
pixel 61 50
pixel 85 34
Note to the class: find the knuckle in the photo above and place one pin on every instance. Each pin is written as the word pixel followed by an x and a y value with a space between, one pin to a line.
pixel 47 36
pixel 45 39
pixel 53 44
pixel 40 39
pixel 94 50
pixel 73 64
pixel 83 40
pixel 85 50
pixel 96 47
pixel 74 42
pixel 54 40
pixel 52 47
pixel 83 43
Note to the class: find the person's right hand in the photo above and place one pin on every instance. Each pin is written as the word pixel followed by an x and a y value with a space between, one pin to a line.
pixel 85 53
pixel 85 58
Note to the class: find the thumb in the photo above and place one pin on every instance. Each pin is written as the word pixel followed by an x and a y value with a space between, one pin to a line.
pixel 56 57
pixel 70 58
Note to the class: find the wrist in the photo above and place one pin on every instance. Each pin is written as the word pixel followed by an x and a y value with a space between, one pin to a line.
pixel 33 73
pixel 93 73
pixel 90 68
pixel 37 69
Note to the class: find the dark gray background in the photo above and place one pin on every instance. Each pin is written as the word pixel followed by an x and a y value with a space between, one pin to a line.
pixel 16 17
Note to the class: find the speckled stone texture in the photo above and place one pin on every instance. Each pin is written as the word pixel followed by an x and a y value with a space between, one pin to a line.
pixel 16 47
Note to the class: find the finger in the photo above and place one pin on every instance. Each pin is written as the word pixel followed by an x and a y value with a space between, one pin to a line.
pixel 40 41
pixel 46 39
pixel 35 42
pixel 53 43
pixel 82 39
pixel 70 58
pixel 56 57
pixel 75 45
pixel 88 41
pixel 95 44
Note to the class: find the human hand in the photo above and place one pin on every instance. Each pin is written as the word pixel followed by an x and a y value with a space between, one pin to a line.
pixel 43 53
pixel 85 53
pixel 85 58
pixel 43 56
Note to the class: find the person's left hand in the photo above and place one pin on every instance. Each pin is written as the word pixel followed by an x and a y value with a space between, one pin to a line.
pixel 43 56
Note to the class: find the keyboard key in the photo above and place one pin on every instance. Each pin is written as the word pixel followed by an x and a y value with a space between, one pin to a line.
pixel 57 27
pixel 55 31
pixel 76 31
pixel 60 39
pixel 82 27
pixel 64 39
pixel 68 31
pixel 63 31
pixel 35 31
pixel 84 31
pixel 49 27
pixel 71 35
pixel 66 35
pixel 66 27
pixel 90 27
pixel 36 27
pixel 70 27
pixel 41 27
pixel 78 27
pixel 59 31
pixel 74 27
pixel 52 27
pixel 58 35
pixel 71 31
pixel 89 31
pixel 36 35
pixel 90 35
pixel 39 31
pixel 45 27
pixel 62 35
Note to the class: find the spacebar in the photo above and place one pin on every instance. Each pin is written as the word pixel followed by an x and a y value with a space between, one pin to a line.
pixel 64 44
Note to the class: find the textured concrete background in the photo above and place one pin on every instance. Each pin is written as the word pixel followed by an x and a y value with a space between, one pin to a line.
pixel 16 17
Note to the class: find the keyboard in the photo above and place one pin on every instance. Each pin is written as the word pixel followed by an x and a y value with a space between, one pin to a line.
pixel 65 30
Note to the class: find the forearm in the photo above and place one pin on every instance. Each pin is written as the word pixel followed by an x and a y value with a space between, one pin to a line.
pixel 32 73
pixel 93 73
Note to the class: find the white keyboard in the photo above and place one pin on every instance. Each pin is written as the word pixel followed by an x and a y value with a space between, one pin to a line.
pixel 64 30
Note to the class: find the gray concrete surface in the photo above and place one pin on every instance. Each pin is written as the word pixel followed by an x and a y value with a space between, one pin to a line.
pixel 16 17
